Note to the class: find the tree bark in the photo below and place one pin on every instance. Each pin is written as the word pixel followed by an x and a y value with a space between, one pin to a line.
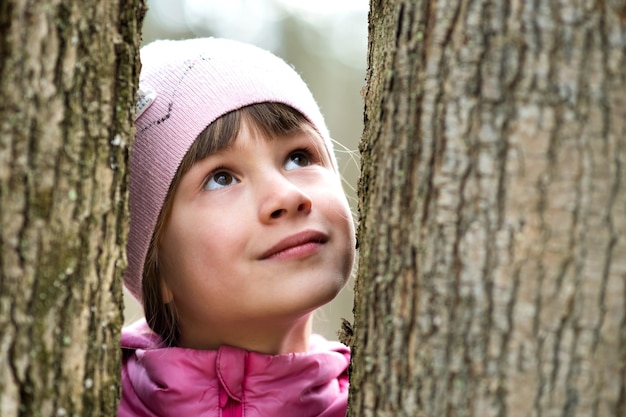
pixel 69 73
pixel 492 268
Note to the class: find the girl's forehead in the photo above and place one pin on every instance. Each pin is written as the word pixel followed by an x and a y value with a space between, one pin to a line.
pixel 249 137
pixel 251 132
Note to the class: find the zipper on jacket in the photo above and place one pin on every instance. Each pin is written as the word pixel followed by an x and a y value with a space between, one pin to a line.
pixel 232 408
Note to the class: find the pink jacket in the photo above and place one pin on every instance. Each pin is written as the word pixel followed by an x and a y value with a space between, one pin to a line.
pixel 179 382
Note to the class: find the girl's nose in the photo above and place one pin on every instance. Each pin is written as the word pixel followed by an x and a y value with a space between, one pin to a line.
pixel 282 198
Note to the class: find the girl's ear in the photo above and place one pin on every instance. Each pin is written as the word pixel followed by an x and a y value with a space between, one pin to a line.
pixel 166 294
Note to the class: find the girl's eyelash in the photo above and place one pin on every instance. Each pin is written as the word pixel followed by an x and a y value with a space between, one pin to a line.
pixel 211 174
pixel 306 150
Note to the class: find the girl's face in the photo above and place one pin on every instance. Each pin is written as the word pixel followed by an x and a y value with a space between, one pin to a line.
pixel 260 234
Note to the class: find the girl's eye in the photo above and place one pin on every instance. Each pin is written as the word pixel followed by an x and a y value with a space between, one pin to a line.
pixel 220 179
pixel 297 159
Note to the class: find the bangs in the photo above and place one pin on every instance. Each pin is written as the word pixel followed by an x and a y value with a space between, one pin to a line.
pixel 269 119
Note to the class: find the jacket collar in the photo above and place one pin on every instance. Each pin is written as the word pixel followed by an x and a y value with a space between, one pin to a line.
pixel 191 381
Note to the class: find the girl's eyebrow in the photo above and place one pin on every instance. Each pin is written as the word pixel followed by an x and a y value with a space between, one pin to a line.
pixel 234 145
pixel 224 149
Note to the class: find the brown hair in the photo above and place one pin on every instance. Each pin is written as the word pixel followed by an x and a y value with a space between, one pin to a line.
pixel 270 120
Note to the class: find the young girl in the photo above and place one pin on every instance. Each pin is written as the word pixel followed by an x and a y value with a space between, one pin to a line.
pixel 239 230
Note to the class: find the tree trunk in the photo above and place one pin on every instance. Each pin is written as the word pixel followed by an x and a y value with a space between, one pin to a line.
pixel 68 73
pixel 492 271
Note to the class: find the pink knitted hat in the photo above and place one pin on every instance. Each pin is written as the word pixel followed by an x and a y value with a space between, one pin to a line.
pixel 185 86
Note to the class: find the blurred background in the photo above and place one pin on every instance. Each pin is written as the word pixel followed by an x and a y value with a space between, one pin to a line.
pixel 326 42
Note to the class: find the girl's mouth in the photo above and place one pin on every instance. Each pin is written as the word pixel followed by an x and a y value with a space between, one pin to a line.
pixel 299 245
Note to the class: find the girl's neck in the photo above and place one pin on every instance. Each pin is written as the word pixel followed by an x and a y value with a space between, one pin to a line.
pixel 272 339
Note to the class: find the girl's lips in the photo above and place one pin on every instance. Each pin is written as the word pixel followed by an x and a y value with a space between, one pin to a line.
pixel 298 245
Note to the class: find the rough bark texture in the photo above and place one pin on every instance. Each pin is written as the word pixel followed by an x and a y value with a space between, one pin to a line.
pixel 492 275
pixel 69 72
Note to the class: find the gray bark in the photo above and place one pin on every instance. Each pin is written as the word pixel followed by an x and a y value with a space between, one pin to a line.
pixel 69 74
pixel 492 271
